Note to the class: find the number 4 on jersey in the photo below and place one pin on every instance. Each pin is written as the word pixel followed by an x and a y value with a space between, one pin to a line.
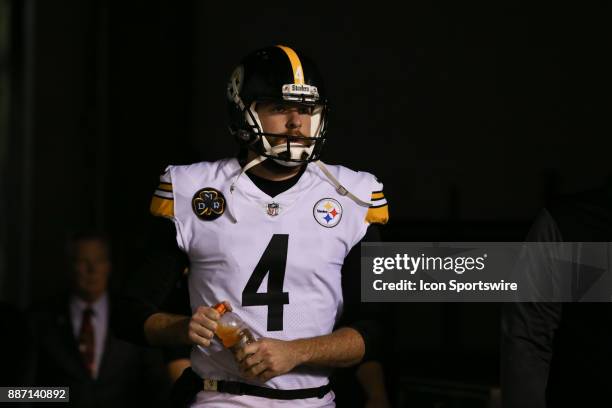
pixel 272 263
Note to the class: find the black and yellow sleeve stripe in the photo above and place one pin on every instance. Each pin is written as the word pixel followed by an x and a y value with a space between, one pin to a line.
pixel 162 204
pixel 378 213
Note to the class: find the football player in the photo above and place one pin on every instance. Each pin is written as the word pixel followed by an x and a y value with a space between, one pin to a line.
pixel 266 232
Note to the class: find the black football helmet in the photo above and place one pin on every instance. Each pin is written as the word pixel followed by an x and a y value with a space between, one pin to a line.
pixel 277 74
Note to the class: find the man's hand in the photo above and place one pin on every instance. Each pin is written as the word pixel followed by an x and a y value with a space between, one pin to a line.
pixel 203 324
pixel 267 358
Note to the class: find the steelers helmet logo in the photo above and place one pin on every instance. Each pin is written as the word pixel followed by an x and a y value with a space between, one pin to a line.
pixel 327 212
pixel 208 204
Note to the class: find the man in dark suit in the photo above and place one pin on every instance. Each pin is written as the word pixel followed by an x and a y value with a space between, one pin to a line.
pixel 74 345
pixel 560 354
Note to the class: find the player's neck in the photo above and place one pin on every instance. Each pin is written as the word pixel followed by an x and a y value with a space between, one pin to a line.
pixel 270 170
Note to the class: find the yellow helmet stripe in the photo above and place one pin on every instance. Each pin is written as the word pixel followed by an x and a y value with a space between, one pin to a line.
pixel 296 65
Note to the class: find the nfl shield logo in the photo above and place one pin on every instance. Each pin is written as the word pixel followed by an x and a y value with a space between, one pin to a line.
pixel 273 209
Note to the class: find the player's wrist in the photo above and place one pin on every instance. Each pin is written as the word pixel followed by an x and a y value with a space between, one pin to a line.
pixel 183 331
pixel 165 329
pixel 302 351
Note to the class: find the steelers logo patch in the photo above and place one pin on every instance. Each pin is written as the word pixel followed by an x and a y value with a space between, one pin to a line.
pixel 208 204
pixel 327 212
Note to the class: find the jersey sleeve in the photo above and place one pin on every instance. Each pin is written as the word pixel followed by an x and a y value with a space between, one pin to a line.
pixel 378 213
pixel 148 286
pixel 365 317
pixel 162 203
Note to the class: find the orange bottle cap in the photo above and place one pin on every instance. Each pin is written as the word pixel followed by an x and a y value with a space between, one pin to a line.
pixel 221 308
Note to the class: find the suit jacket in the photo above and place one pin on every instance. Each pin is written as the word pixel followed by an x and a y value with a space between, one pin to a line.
pixel 128 375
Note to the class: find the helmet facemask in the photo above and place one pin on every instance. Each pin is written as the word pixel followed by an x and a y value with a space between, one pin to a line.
pixel 288 149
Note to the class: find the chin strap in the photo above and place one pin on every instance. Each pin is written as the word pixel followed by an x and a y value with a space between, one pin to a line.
pixel 339 187
pixel 248 166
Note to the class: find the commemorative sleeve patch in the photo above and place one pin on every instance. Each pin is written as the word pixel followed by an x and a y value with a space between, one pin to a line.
pixel 208 204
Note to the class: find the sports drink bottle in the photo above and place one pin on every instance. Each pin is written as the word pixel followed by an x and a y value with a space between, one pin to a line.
pixel 233 332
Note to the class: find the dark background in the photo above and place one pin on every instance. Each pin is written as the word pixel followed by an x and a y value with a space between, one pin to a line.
pixel 473 116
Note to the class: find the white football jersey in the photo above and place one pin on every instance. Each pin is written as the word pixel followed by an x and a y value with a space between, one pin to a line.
pixel 277 260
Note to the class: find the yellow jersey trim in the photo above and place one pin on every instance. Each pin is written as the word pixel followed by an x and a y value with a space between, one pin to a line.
pixel 378 215
pixel 162 207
